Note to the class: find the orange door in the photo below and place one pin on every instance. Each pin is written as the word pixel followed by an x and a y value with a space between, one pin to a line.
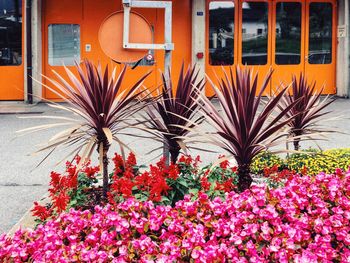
pixel 81 24
pixel 62 38
pixel 320 44
pixel 221 38
pixel 12 55
pixel 238 33
pixel 288 36
pixel 288 41
pixel 255 33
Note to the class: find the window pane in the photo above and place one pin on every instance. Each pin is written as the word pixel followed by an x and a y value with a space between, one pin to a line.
pixel 64 44
pixel 254 37
pixel 10 32
pixel 320 33
pixel 288 33
pixel 221 32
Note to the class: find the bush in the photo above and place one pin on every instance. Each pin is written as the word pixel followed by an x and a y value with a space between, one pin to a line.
pixel 311 161
pixel 308 220
pixel 160 184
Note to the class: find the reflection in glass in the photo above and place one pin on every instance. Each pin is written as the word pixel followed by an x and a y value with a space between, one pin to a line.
pixel 320 33
pixel 64 44
pixel 254 37
pixel 288 33
pixel 221 31
pixel 10 32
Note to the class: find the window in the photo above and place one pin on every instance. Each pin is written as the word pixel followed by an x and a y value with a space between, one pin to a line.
pixel 320 33
pixel 288 33
pixel 10 32
pixel 221 33
pixel 254 41
pixel 244 30
pixel 64 44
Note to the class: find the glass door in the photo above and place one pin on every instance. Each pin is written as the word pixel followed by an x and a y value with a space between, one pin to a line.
pixel 61 39
pixel 221 39
pixel 255 37
pixel 320 59
pixel 288 36
pixel 288 43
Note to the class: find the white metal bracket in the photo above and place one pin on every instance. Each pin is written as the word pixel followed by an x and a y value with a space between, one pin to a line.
pixel 167 5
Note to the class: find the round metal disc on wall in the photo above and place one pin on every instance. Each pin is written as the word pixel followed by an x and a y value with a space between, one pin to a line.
pixel 110 37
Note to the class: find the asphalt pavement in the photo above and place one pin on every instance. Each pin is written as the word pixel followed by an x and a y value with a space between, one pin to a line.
pixel 21 183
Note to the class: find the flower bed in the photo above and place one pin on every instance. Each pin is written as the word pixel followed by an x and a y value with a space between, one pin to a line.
pixel 307 220
pixel 160 184
pixel 310 161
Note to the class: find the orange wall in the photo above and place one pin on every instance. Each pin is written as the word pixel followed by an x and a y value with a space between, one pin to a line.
pixel 90 14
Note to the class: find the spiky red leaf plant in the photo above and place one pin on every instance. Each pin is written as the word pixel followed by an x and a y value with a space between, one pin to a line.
pixel 242 129
pixel 171 117
pixel 103 106
pixel 308 111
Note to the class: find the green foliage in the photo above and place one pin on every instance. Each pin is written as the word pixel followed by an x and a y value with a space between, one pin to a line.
pixel 311 161
pixel 79 197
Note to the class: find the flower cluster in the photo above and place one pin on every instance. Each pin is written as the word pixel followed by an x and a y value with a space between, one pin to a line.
pixel 167 185
pixel 127 180
pixel 309 161
pixel 307 220
pixel 64 190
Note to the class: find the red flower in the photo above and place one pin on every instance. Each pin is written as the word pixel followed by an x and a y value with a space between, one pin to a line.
pixel 186 159
pixel 205 184
pixel 118 161
pixel 71 169
pixel 158 188
pixel 304 171
pixel 55 179
pixel 72 181
pixel 224 164
pixel 111 200
pixel 122 186
pixel 91 171
pixel 131 160
pixel 41 211
pixel 226 186
pixel 173 172
pixel 128 174
pixel 143 181
pixel 161 164
pixel 61 201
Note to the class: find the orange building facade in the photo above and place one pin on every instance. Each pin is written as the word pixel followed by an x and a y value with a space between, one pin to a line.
pixel 289 36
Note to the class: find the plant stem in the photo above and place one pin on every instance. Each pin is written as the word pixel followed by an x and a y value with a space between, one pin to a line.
pixel 296 144
pixel 166 154
pixel 174 152
pixel 244 178
pixel 105 170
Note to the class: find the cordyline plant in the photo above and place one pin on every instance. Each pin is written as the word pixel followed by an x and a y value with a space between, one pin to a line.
pixel 307 111
pixel 171 117
pixel 240 128
pixel 102 104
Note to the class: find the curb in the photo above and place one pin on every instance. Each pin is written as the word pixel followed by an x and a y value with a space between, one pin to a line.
pixel 27 220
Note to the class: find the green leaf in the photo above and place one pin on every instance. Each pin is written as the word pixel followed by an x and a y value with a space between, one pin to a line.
pixel 193 191
pixel 182 182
